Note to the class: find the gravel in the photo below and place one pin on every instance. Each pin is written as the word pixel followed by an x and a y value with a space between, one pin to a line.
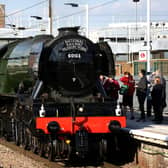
pixel 12 159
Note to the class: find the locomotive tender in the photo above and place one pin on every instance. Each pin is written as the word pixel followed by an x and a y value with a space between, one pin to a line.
pixel 51 98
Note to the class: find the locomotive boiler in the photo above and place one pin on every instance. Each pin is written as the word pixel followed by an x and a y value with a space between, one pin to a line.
pixel 52 100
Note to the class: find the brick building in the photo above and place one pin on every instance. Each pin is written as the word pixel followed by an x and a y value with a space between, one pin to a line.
pixel 2 16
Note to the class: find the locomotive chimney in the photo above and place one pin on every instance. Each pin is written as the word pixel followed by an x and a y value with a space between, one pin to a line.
pixel 68 30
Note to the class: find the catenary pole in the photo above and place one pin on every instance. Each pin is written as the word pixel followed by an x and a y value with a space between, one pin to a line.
pixel 148 36
pixel 87 20
pixel 50 16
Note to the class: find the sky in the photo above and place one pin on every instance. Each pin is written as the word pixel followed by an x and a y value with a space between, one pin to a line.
pixel 101 12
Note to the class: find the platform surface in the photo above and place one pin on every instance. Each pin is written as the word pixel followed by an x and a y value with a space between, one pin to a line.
pixel 148 125
pixel 148 130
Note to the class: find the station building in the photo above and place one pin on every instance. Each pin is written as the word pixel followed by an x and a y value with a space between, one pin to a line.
pixel 128 42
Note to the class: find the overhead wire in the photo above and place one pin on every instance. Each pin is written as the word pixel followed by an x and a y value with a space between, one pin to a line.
pixel 27 8
pixel 81 11
pixel 22 10
pixel 90 8
pixel 63 17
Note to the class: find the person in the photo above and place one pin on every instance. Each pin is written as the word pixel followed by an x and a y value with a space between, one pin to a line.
pixel 103 79
pixel 111 87
pixel 157 100
pixel 163 82
pixel 127 100
pixel 151 78
pixel 99 91
pixel 141 90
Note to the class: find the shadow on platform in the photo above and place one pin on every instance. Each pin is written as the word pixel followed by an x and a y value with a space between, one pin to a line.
pixel 148 124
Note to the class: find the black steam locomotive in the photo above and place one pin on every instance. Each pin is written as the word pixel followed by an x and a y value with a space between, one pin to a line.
pixel 48 95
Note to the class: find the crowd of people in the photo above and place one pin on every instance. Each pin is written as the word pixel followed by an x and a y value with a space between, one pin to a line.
pixel 151 87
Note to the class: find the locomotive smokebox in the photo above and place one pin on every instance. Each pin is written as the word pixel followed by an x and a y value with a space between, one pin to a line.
pixel 69 64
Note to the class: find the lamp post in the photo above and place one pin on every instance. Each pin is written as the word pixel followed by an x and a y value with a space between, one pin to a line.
pixel 21 28
pixel 136 32
pixel 37 17
pixel 11 25
pixel 148 35
pixel 87 14
pixel 40 23
pixel 136 1
pixel 148 32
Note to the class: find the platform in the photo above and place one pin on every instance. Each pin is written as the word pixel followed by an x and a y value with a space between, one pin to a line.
pixel 148 131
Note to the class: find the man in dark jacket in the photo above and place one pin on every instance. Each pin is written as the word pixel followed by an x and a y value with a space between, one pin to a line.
pixel 141 90
pixel 157 100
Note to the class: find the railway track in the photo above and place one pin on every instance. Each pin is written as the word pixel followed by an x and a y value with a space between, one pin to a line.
pixel 15 156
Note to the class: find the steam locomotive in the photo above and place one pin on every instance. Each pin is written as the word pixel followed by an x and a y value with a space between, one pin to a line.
pixel 49 99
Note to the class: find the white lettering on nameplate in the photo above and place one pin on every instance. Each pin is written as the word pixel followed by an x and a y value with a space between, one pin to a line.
pixel 75 44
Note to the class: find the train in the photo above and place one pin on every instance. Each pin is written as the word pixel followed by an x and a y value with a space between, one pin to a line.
pixel 48 95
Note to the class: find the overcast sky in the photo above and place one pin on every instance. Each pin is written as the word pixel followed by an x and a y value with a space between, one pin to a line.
pixel 101 12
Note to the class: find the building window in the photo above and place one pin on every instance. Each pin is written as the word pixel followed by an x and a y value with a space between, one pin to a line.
pixel 136 57
pixel 138 66
pixel 158 55
pixel 166 55
pixel 121 58
pixel 162 66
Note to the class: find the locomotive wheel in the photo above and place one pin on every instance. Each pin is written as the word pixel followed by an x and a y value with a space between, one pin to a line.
pixel 58 149
pixel 34 149
pixel 41 149
pixel 61 149
pixel 7 129
pixel 51 151
pixel 17 135
pixel 102 149
pixel 65 150
pixel 34 144
pixel 68 152
pixel 25 143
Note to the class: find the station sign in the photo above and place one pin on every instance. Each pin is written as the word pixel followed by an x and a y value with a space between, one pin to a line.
pixel 142 55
